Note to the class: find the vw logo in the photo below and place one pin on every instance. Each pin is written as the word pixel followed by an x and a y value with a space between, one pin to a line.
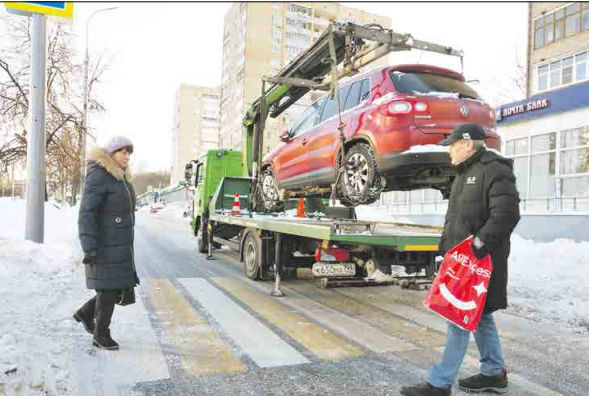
pixel 464 110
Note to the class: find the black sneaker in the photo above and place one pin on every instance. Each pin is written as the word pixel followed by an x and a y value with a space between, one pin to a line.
pixel 88 323
pixel 425 390
pixel 105 342
pixel 483 383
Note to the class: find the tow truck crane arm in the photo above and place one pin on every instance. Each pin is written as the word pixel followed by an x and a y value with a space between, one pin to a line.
pixel 350 45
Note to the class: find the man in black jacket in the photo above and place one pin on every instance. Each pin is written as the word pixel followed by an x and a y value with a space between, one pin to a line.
pixel 484 202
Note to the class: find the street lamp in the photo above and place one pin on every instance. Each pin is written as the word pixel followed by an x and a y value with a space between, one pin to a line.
pixel 85 119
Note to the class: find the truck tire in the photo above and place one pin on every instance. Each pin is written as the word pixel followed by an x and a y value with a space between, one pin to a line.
pixel 202 238
pixel 252 256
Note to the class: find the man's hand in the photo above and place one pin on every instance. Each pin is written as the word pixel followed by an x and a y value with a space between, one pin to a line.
pixel 90 257
pixel 479 248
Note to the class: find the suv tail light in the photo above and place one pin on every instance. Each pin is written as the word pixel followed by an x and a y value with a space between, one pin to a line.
pixel 403 107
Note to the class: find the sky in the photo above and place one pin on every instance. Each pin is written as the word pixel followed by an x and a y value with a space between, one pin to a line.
pixel 154 47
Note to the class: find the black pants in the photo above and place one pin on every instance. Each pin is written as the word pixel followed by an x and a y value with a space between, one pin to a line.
pixel 101 308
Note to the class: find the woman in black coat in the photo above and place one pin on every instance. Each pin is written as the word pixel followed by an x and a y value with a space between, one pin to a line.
pixel 106 229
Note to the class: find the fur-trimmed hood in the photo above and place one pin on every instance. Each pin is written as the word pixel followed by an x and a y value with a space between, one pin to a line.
pixel 99 157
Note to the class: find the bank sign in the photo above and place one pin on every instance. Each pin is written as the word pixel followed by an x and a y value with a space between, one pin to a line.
pixel 559 101
pixel 536 104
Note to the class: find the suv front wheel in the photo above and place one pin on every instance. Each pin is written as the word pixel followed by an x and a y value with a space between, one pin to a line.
pixel 360 183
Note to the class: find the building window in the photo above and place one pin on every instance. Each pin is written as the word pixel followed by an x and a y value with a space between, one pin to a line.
pixel 274 62
pixel 557 25
pixel 572 19
pixel 568 70
pixel 275 48
pixel 276 34
pixel 276 20
pixel 300 9
pixel 551 170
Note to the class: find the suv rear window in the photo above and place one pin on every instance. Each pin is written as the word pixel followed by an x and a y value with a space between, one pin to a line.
pixel 426 83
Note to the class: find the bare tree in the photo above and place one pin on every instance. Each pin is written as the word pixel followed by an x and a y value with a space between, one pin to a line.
pixel 64 129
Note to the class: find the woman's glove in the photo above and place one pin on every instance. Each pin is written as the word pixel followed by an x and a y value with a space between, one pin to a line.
pixel 90 257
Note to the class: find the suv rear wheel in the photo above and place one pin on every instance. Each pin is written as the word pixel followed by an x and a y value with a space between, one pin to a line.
pixel 360 183
pixel 269 191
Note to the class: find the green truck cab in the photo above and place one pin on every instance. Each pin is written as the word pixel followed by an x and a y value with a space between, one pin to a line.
pixel 204 176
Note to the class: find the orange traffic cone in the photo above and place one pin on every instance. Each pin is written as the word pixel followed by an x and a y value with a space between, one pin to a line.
pixel 235 209
pixel 301 208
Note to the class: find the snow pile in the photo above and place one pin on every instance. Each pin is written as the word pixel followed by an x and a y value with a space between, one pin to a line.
pixel 426 148
pixel 548 281
pixel 37 282
pixel 441 95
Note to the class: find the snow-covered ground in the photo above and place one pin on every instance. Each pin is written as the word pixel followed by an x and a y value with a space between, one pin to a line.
pixel 41 285
pixel 36 281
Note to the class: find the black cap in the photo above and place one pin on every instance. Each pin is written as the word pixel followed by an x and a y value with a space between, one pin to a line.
pixel 465 132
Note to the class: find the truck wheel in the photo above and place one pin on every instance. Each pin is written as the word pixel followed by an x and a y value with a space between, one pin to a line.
pixel 361 183
pixel 202 238
pixel 269 191
pixel 252 256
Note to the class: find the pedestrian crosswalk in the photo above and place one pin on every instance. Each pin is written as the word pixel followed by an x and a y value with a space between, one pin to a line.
pixel 197 327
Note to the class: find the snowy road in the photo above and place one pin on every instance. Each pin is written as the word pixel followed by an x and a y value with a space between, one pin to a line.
pixel 202 328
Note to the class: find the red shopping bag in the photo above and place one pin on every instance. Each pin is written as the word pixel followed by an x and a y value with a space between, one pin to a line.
pixel 460 289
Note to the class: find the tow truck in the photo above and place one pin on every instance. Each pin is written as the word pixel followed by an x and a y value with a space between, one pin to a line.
pixel 339 249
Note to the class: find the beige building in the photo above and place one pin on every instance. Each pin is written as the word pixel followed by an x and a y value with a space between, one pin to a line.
pixel 558 40
pixel 196 126
pixel 259 39
pixel 547 134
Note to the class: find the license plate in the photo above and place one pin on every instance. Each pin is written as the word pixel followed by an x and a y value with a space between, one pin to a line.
pixel 321 270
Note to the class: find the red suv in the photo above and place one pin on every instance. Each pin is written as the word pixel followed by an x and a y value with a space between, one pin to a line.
pixel 394 117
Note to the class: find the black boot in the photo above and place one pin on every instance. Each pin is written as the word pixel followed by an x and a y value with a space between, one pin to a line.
pixel 425 390
pixel 484 383
pixel 105 342
pixel 87 321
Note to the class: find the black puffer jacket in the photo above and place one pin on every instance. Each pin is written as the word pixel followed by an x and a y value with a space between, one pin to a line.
pixel 484 202
pixel 106 223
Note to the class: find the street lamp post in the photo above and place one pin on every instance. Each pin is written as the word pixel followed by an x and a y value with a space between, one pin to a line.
pixel 85 117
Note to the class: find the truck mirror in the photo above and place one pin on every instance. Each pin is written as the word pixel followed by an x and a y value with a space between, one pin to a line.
pixel 285 137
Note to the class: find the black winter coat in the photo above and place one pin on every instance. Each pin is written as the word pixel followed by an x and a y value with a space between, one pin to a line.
pixel 106 223
pixel 485 202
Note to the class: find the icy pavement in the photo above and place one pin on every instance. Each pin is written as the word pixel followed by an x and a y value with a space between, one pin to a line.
pixel 44 352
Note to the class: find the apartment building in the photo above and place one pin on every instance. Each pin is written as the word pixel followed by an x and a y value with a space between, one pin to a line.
pixel 261 38
pixel 196 125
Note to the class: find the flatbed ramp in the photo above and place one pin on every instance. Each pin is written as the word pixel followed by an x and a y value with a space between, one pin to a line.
pixel 400 236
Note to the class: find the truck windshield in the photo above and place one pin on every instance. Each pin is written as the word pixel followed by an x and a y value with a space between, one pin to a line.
pixel 426 83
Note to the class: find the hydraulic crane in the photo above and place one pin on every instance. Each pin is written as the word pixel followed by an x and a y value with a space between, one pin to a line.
pixel 341 51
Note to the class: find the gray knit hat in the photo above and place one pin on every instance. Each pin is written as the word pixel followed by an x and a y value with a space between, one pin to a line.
pixel 117 143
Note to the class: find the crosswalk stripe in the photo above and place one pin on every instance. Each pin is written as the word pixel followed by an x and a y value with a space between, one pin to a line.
pixel 201 349
pixel 514 379
pixel 392 325
pixel 321 342
pixel 383 299
pixel 140 359
pixel 348 326
pixel 264 347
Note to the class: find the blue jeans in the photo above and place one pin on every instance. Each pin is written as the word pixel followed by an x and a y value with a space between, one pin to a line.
pixel 443 374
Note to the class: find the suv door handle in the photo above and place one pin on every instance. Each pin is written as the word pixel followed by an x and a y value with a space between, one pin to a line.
pixel 305 141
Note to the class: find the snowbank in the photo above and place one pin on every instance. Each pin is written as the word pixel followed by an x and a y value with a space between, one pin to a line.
pixel 38 281
pixel 548 281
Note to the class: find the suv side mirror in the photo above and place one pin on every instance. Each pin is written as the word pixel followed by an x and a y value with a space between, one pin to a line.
pixel 285 137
